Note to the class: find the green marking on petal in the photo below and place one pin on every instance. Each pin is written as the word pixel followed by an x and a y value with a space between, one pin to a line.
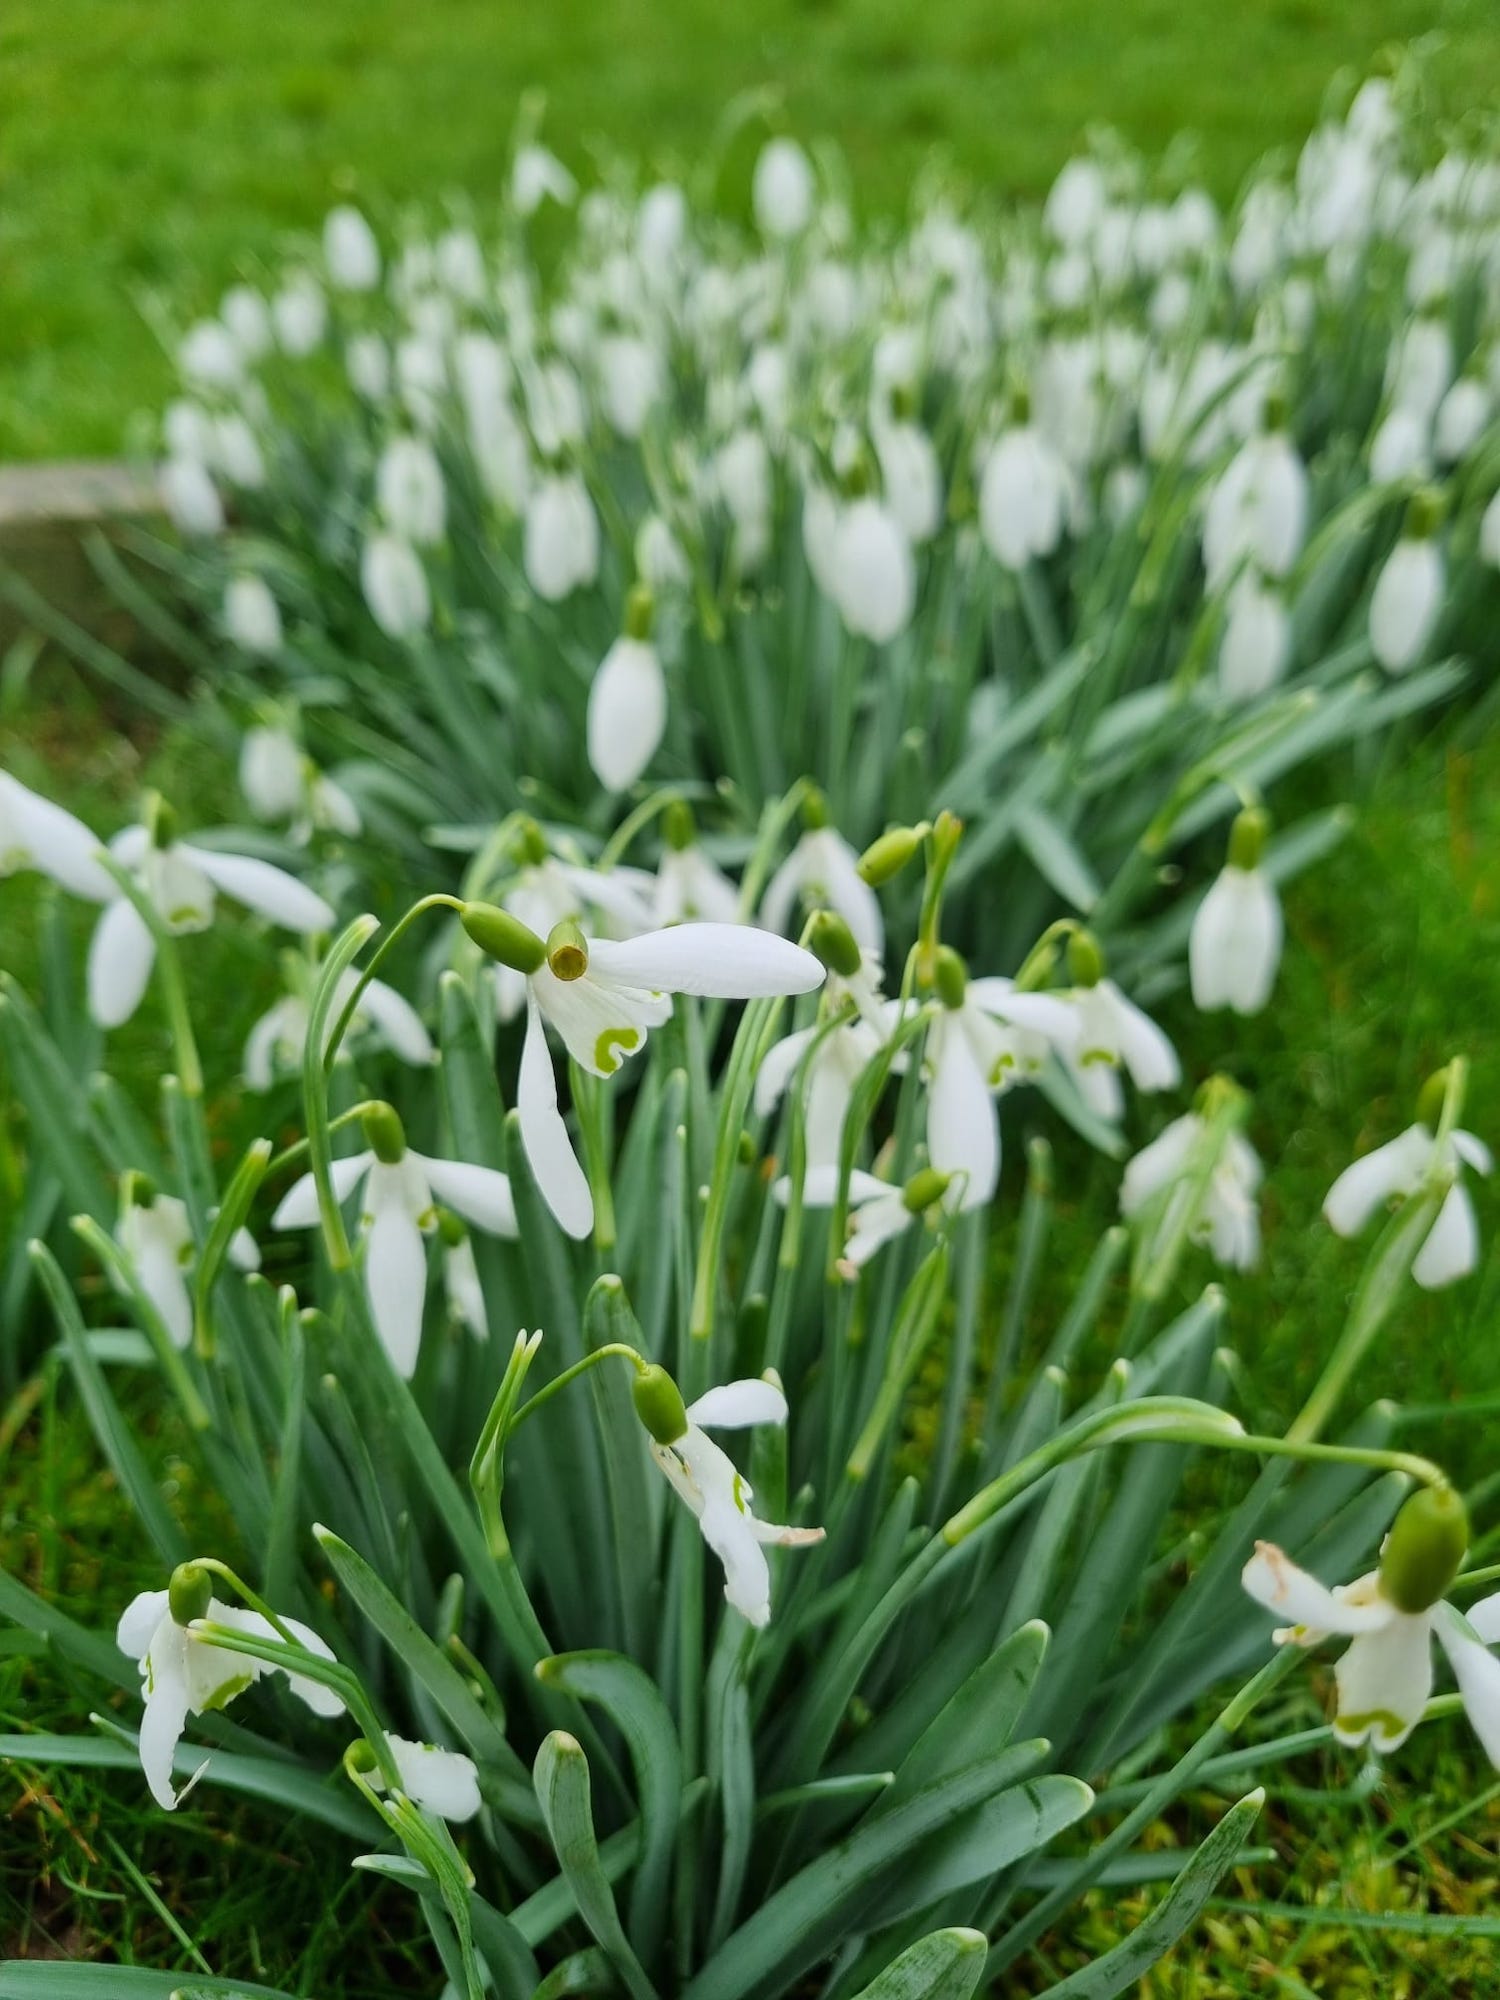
pixel 1384 1723
pixel 626 1040
pixel 225 1693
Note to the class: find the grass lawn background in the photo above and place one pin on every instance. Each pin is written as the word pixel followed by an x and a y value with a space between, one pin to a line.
pixel 168 148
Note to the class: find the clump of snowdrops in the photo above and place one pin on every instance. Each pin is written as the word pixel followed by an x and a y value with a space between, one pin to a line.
pixel 642 1645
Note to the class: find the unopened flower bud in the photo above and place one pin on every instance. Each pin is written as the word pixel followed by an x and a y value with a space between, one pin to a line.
pixel 950 977
pixel 1428 1540
pixel 503 937
pixel 833 942
pixel 1247 837
pixel 640 609
pixel 947 832
pixel 189 1592
pixel 924 1188
pixel 567 951
pixel 1085 959
pixel 678 826
pixel 659 1404
pixel 885 857
pixel 360 1757
pixel 384 1134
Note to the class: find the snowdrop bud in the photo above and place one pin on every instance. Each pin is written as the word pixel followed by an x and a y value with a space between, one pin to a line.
pixel 661 224
pixel 782 191
pixel 503 937
pixel 190 497
pixel 251 620
pixel 1407 600
pixel 209 356
pixel 1085 959
pixel 1400 448
pixel 659 1404
pixel 300 313
pixel 1428 1540
pixel 1257 640
pixel 627 708
pixel 248 318
pixel 561 544
pixel 873 572
pixel 384 1134
pixel 1461 419
pixel 350 251
pixel 409 490
pixel 950 977
pixel 189 1593
pixel 832 940
pixel 925 1188
pixel 885 857
pixel 567 951
pixel 395 586
pixel 539 176
pixel 367 360
pixel 272 773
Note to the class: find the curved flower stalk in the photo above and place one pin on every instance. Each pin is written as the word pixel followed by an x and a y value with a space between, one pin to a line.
pixel 603 998
pixel 1421 1156
pixel 35 833
pixel 181 881
pixel 402 1189
pixel 275 1045
pixel 703 1476
pixel 185 1675
pixel 1391 1617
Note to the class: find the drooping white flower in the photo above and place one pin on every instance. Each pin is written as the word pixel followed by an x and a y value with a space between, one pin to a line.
pixel 181 880
pixel 872 571
pixel 35 833
pixel 1257 642
pixel 561 548
pixel 630 382
pixel 410 493
pixel 275 1045
pixel 782 190
pixel 659 559
pixel 1221 1212
pixel 689 886
pixel 442 1782
pixel 1257 510
pixel 704 1476
pixel 461 1285
pixel 235 452
pixel 244 311
pixel 1234 947
pixel 911 479
pixel 189 495
pixel 836 1059
pixel 367 363
pixel 401 1191
pixel 822 871
pixel 350 251
pixel 210 357
pixel 1076 201
pixel 459 264
pixel 1113 1033
pixel 184 1675
pixel 299 313
pixel 395 586
pixel 1421 366
pixel 742 475
pixel 879 1211
pixel 1402 447
pixel 1391 1617
pixel 602 997
pixel 252 620
pixel 1406 603
pixel 627 711
pixel 539 176
pixel 1461 421
pixel 281 782
pixel 1395 1171
pixel 1023 497
pixel 157 1239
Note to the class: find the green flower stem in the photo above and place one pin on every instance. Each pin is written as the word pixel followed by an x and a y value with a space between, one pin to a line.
pixel 545 1395
pixel 757 1026
pixel 296 1153
pixel 437 901
pixel 171 1363
pixel 588 1101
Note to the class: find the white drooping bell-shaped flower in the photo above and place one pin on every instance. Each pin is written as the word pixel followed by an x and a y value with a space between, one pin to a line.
pixel 367 363
pixel 350 251
pixel 244 311
pixel 184 1675
pixel 1023 497
pixel 409 491
pixel 281 782
pixel 1257 642
pixel 299 312
pixel 401 1191
pixel 1076 202
pixel 156 1236
pixel 782 190
pixel 659 559
pixel 874 577
pixel 1113 1034
pixel 1216 1205
pixel 742 474
pixel 537 176
pixel 1421 366
pixel 1407 600
pixel 276 1044
pixel 442 1782
pixel 35 833
pixel 630 382
pixel 627 712
pixel 236 453
pixel 708 1481
pixel 561 544
pixel 822 871
pixel 1257 511
pixel 689 886
pixel 1234 947
pixel 395 586
pixel 1402 447
pixel 252 619
pixel 1462 419
pixel 911 479
pixel 189 495
pixel 1396 1170
pixel 209 357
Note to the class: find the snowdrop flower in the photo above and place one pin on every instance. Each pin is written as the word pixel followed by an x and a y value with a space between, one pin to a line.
pixel 410 493
pixel 1234 946
pixel 236 453
pixel 248 318
pixel 1407 600
pixel 873 575
pixel 707 1480
pixel 602 998
pixel 1401 448
pixel 659 560
pixel 299 313
pixel 1076 202
pixel 252 620
pixel 1396 1170
pixel 549 890
pixel 181 880
pixel 742 473
pixel 35 833
pixel 1023 494
pixel 1391 1617
pixel 630 382
pixel 401 1191
pixel 879 1212
pixel 1257 643
pixel 627 711
pixel 822 871
pixel 688 885
pixel 275 1045
pixel 782 190
pixel 1461 420
pixel 460 265
pixel 1257 510
pixel 395 586
pixel 367 362
pixel 190 497
pixel 539 176
pixel 210 357
pixel 911 479
pixel 1113 1033
pixel 836 1059
pixel 184 1675
pixel 422 378
pixel 1421 367
pixel 442 1782
pixel 350 251
pixel 1224 1213
pixel 561 547
pixel 281 782
pixel 156 1235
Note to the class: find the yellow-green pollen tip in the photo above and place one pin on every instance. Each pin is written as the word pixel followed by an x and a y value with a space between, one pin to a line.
pixel 567 951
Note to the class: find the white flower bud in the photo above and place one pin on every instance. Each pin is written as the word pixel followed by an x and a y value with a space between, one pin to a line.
pixel 209 356
pixel 395 586
pixel 299 313
pixel 409 491
pixel 659 560
pixel 1406 603
pixel 248 319
pixel 661 226
pixel 1257 641
pixel 783 190
pixel 1462 418
pixel 252 620
pixel 190 497
pixel 350 251
pixel 1075 203
pixel 561 549
pixel 272 777
pixel 1400 448
pixel 874 576
pixel 911 478
pixel 630 382
pixel 367 362
pixel 627 712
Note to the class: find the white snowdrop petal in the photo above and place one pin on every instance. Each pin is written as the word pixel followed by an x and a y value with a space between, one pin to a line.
pixel 1477 1672
pixel 444 1782
pixel 1368 1183
pixel 549 1152
pixel 1451 1250
pixel 264 888
pixel 627 713
pixel 395 1276
pixel 1275 1581
pixel 963 1126
pixel 1384 1681
pixel 736 1405
pixel 121 954
pixel 717 961
pixel 298 1207
pixel 481 1195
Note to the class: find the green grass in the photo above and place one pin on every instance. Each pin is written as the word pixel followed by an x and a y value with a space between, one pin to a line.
pixel 150 149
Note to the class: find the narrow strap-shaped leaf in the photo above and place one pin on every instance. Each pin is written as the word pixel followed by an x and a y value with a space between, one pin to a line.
pixel 590 1971
pixel 944 1965
pixel 33 1979
pixel 985 1843
pixel 1151 1939
pixel 561 1776
pixel 978 1720
pixel 634 1703
pixel 1053 853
